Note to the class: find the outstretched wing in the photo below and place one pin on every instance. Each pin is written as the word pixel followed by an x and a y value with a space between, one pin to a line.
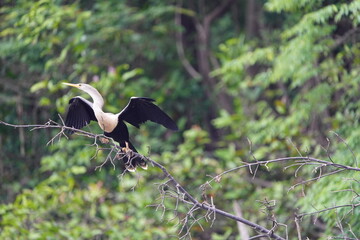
pixel 141 109
pixel 80 113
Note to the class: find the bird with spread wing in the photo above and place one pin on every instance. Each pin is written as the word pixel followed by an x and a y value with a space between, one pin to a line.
pixel 138 111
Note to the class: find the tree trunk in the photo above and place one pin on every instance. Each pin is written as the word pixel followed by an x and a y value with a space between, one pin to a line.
pixel 252 19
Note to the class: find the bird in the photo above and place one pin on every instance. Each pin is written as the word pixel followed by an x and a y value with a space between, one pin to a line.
pixel 138 110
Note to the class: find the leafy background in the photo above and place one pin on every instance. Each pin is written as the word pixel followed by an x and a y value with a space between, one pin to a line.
pixel 280 74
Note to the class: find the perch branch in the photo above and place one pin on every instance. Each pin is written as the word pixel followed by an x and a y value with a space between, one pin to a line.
pixel 187 196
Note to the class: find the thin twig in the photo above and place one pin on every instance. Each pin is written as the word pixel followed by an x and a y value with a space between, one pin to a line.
pixel 347 145
pixel 328 209
pixel 196 204
pixel 285 159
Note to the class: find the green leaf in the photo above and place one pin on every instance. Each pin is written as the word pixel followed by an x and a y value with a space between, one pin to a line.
pixel 39 86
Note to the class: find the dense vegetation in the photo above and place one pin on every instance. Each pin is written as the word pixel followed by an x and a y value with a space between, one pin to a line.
pixel 246 80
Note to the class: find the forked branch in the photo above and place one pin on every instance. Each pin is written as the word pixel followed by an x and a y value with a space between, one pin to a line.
pixel 188 198
pixel 182 195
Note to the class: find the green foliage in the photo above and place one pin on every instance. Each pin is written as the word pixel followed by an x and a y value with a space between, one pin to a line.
pixel 291 6
pixel 301 90
pixel 292 86
pixel 125 51
pixel 59 207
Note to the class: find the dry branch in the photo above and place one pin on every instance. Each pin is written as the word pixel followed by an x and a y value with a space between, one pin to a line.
pixel 187 197
pixel 182 195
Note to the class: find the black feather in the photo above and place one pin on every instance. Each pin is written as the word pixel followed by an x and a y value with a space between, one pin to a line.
pixel 140 109
pixel 79 114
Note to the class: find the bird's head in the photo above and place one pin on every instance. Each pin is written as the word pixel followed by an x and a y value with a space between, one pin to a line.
pixel 96 96
pixel 82 86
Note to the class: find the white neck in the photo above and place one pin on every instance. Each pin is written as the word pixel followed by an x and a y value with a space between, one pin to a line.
pixel 97 98
pixel 106 121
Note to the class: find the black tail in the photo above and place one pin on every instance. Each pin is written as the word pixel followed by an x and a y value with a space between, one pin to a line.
pixel 131 160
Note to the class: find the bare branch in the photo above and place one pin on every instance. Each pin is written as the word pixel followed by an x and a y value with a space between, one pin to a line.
pixel 352 206
pixel 348 147
pixel 341 40
pixel 298 228
pixel 208 207
pixel 259 237
pixel 187 197
pixel 180 47
pixel 217 11
pixel 182 195
pixel 316 178
pixel 307 160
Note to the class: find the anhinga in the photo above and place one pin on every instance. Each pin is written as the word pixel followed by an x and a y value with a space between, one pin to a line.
pixel 137 111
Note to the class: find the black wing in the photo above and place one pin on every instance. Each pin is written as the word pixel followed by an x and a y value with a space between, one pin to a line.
pixel 80 113
pixel 141 109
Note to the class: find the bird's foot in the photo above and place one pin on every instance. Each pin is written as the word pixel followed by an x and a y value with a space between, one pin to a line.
pixel 126 149
pixel 130 168
pixel 104 140
pixel 143 165
pixel 129 153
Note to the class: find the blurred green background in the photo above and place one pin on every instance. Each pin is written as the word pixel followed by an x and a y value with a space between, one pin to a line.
pixel 282 74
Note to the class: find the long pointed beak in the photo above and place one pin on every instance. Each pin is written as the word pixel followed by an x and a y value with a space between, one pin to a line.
pixel 72 85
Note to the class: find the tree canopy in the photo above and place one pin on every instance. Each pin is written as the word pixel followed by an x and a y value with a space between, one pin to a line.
pixel 246 81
